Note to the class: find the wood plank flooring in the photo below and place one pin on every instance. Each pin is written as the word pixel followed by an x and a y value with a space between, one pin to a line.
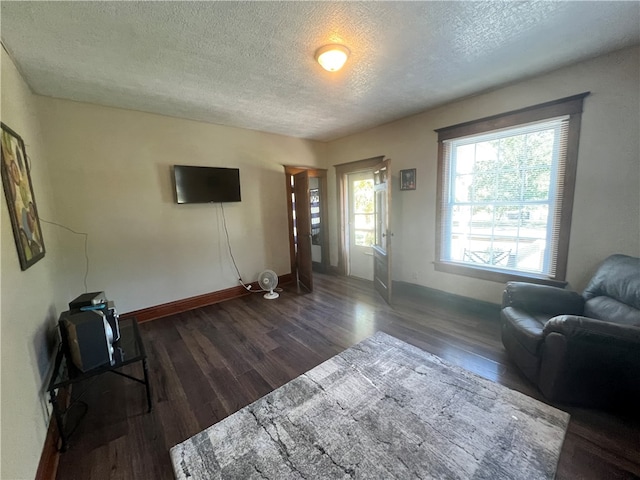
pixel 208 363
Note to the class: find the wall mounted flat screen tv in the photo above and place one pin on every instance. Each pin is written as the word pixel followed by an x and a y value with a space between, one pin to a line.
pixel 206 184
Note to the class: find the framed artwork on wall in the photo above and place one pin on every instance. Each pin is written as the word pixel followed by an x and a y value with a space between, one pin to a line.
pixel 408 179
pixel 21 201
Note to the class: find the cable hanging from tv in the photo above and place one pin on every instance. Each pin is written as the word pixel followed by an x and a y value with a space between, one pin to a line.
pixel 226 232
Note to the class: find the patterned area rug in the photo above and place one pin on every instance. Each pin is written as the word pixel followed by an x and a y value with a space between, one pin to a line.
pixel 381 409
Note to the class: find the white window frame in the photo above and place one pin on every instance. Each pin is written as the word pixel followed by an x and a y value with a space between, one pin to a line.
pixel 569 108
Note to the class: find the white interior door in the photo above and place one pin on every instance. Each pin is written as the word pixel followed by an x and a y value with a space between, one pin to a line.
pixel 362 224
pixel 382 246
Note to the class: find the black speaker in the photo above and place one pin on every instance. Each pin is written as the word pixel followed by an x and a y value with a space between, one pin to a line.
pixel 87 338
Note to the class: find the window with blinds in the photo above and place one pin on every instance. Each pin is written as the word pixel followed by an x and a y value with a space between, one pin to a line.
pixel 505 196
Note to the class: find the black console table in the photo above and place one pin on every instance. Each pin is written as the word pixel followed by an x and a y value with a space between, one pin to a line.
pixel 128 349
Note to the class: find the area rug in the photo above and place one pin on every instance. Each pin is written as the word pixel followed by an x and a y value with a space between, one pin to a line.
pixel 381 409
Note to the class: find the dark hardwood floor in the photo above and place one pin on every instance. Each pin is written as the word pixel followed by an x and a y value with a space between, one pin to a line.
pixel 208 363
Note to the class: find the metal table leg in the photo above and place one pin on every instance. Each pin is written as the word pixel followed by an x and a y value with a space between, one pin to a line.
pixel 59 420
pixel 145 367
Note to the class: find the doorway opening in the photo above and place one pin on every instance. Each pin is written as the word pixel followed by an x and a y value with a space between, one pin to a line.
pixel 364 247
pixel 361 231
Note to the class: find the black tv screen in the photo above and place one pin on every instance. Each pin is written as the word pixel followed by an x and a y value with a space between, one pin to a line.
pixel 206 184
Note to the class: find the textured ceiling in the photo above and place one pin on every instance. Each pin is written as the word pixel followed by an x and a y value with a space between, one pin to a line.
pixel 251 65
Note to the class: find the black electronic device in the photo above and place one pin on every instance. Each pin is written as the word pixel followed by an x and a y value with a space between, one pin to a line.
pixel 206 184
pixel 97 301
pixel 91 299
pixel 88 331
pixel 87 338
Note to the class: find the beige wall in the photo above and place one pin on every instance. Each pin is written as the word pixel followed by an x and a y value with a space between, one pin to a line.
pixel 112 179
pixel 29 299
pixel 607 203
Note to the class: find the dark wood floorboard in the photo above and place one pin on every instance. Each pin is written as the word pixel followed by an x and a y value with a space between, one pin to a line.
pixel 208 363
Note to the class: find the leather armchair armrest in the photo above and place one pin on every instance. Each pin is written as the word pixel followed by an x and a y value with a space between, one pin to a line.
pixel 591 362
pixel 585 328
pixel 542 299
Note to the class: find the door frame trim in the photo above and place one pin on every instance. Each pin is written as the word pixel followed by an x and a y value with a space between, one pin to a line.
pixel 342 170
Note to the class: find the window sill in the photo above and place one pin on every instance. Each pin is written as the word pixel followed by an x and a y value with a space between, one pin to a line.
pixel 495 275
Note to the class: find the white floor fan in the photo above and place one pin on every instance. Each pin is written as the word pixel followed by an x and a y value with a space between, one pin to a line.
pixel 268 281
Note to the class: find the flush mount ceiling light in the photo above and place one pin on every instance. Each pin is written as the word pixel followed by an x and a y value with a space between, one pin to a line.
pixel 332 57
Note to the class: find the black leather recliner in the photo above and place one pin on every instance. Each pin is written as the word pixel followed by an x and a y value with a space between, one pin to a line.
pixel 580 349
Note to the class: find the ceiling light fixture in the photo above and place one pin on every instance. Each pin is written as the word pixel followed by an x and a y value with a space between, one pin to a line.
pixel 332 57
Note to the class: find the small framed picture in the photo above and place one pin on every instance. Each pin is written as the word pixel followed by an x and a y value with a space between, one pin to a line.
pixel 408 179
